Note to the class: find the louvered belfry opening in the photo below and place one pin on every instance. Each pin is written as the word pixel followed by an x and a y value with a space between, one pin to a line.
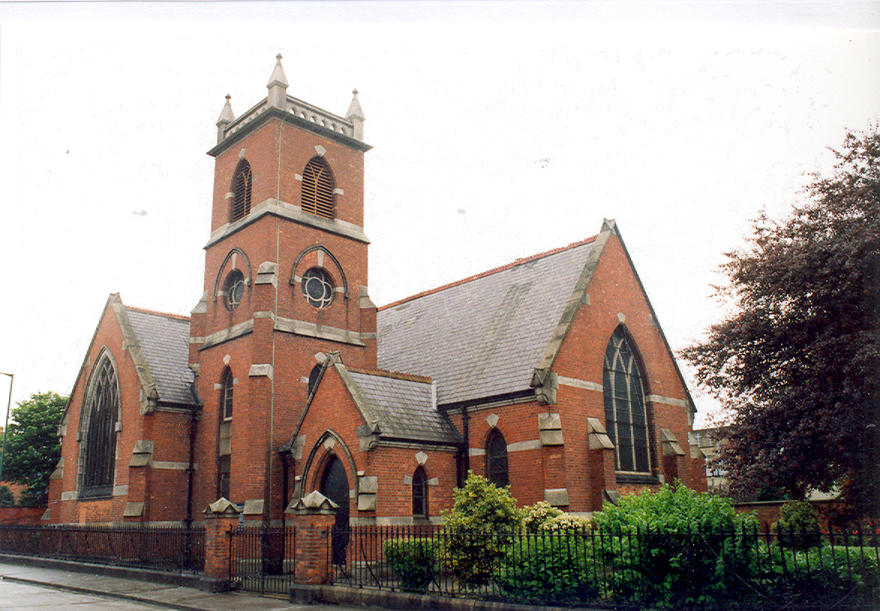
pixel 100 443
pixel 241 191
pixel 317 189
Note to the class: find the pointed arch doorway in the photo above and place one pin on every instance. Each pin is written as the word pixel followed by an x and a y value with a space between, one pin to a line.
pixel 334 485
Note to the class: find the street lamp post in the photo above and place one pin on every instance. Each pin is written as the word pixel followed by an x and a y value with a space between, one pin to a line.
pixel 6 426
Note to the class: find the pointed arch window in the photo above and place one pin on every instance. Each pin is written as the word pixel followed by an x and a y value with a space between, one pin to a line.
pixel 226 394
pixel 420 493
pixel 242 181
pixel 496 459
pixel 625 412
pixel 224 444
pixel 102 410
pixel 318 189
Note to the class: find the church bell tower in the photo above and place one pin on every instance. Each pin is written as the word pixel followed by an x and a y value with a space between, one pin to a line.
pixel 285 283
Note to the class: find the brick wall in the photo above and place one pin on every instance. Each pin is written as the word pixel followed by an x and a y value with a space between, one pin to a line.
pixel 24 516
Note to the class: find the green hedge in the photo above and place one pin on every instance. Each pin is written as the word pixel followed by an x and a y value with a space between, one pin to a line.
pixel 413 561
pixel 548 567
pixel 676 548
pixel 821 577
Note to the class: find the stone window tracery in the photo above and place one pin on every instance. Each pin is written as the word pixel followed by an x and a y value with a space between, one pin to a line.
pixel 317 287
pixel 99 451
pixel 625 411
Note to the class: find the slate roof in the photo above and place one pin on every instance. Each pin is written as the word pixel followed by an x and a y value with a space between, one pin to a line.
pixel 482 336
pixel 164 340
pixel 403 408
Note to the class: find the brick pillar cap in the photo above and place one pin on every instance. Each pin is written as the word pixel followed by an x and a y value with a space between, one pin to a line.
pixel 313 502
pixel 221 508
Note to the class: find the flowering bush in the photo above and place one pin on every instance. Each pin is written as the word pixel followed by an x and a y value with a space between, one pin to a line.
pixel 542 516
pixel 567 522
pixel 535 516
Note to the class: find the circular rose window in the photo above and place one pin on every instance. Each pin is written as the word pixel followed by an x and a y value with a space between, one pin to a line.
pixel 317 287
pixel 233 289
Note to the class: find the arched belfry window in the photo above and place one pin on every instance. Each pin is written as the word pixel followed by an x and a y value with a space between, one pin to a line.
pixel 318 188
pixel 224 445
pixel 101 410
pixel 242 181
pixel 420 493
pixel 496 459
pixel 625 413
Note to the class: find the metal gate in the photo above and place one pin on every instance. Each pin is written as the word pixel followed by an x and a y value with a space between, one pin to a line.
pixel 262 559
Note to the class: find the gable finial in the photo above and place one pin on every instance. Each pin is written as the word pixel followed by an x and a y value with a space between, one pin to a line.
pixel 355 114
pixel 609 225
pixel 226 117
pixel 277 85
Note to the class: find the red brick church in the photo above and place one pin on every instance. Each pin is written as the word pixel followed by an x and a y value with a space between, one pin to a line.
pixel 550 374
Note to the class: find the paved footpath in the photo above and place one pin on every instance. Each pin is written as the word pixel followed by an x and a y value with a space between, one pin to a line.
pixel 27 587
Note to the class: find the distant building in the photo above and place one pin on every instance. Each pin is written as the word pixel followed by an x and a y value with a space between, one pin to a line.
pixel 711 442
pixel 550 374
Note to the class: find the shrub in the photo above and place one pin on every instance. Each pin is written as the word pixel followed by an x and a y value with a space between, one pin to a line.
pixel 798 526
pixel 823 577
pixel 413 561
pixel 478 529
pixel 549 567
pixel 533 517
pixel 675 547
pixel 542 516
pixel 7 498
pixel 567 522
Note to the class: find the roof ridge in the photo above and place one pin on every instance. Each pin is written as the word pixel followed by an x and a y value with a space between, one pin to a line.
pixel 157 313
pixel 397 375
pixel 489 272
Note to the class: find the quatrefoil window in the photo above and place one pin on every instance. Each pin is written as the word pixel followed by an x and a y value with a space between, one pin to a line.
pixel 317 287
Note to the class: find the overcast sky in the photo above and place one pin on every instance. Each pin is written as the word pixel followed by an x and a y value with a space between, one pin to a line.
pixel 500 130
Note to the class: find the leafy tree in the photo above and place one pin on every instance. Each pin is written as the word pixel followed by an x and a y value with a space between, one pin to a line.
pixel 797 361
pixel 32 447
pixel 7 498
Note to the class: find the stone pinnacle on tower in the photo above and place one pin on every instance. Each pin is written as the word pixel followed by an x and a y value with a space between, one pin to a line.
pixel 277 85
pixel 355 114
pixel 226 117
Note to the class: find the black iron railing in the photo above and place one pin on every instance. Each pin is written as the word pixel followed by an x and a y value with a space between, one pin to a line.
pixel 261 559
pixel 625 568
pixel 165 548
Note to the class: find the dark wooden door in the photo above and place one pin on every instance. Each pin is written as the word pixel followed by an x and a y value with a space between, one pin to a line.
pixel 334 485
